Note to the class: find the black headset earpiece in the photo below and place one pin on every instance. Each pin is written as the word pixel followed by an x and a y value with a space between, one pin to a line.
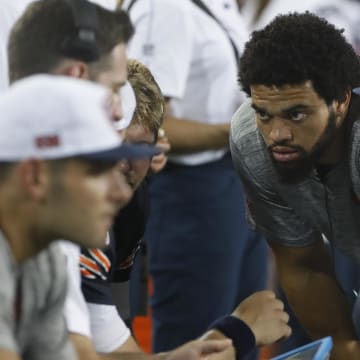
pixel 82 44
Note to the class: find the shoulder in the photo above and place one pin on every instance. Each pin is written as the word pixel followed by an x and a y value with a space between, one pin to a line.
pixel 52 274
pixel 244 135
pixel 243 123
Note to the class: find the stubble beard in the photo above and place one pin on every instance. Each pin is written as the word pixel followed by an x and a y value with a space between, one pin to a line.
pixel 296 170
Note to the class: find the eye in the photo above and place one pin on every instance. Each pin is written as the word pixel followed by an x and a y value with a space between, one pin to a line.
pixel 296 116
pixel 262 115
pixel 96 168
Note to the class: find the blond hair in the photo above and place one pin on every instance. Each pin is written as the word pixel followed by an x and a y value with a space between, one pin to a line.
pixel 149 110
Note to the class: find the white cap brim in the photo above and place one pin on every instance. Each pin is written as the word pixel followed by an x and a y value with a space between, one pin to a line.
pixel 128 102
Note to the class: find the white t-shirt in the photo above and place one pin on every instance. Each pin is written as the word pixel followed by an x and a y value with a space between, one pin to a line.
pixel 342 13
pixel 101 323
pixel 76 312
pixel 108 330
pixel 192 59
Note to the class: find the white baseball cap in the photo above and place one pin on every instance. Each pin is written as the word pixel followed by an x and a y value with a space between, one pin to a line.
pixel 52 117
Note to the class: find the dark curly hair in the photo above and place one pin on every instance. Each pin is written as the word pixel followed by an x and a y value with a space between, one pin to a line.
pixel 295 48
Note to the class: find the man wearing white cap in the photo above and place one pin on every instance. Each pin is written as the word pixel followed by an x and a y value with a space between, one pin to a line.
pixel 106 64
pixel 58 180
pixel 108 68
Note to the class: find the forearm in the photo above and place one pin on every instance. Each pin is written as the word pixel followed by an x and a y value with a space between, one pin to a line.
pixel 8 355
pixel 345 349
pixel 320 292
pixel 317 299
pixel 187 136
pixel 228 354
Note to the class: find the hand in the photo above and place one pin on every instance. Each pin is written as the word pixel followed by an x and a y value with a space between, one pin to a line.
pixel 198 349
pixel 265 316
pixel 158 162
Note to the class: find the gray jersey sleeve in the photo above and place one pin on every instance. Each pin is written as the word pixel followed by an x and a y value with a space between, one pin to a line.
pixel 7 308
pixel 267 212
pixel 50 336
pixel 355 158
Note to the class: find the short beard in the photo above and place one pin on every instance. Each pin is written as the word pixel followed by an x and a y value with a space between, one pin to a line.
pixel 296 170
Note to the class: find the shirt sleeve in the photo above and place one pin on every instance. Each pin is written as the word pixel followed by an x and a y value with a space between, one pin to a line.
pixel 163 41
pixel 50 339
pixel 76 312
pixel 108 329
pixel 7 324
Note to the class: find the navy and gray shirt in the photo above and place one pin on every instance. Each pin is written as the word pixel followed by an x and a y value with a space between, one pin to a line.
pixel 100 267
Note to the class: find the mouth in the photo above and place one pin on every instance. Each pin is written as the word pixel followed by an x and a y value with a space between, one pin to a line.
pixel 284 154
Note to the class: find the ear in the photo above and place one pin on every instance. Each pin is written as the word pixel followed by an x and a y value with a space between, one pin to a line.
pixel 34 178
pixel 341 108
pixel 72 68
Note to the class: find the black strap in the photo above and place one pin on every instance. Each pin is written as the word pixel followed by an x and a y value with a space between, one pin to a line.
pixel 82 43
pixel 203 7
pixel 132 2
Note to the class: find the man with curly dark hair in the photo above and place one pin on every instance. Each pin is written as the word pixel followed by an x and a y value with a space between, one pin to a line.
pixel 295 145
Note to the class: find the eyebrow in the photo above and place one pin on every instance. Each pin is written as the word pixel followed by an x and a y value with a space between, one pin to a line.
pixel 290 109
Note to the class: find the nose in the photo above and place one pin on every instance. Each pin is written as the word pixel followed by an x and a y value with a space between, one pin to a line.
pixel 279 131
pixel 116 107
pixel 120 192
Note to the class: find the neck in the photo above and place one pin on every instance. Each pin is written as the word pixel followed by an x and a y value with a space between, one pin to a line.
pixel 24 241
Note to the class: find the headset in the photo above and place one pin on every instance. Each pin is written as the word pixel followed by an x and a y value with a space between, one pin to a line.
pixel 82 43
